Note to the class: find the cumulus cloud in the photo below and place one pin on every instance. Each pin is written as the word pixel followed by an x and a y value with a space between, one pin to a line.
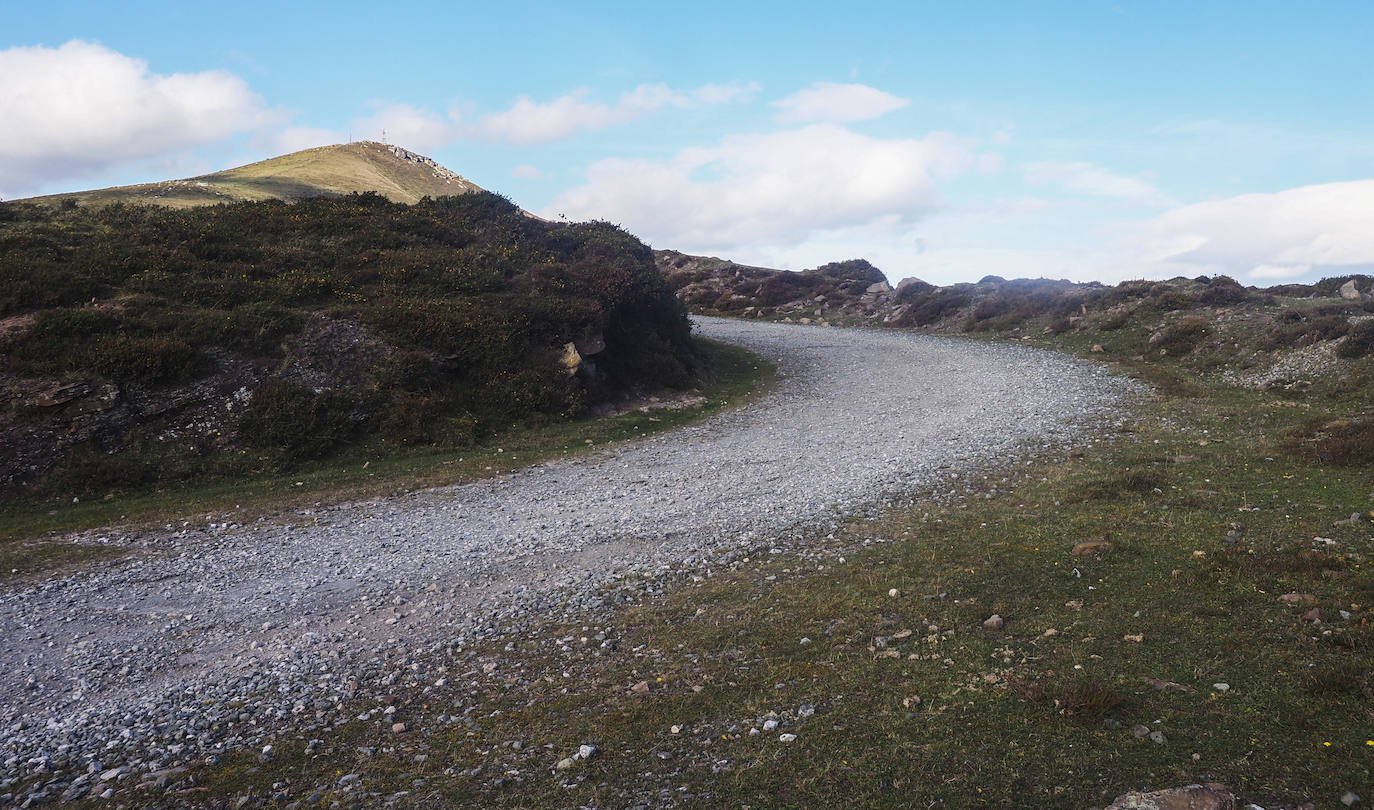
pixel 775 188
pixel 410 127
pixel 79 108
pixel 1094 181
pixel 526 172
pixel 527 122
pixel 1319 229
pixel 294 139
pixel 837 103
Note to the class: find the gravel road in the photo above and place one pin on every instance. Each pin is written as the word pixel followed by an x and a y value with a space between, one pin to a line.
pixel 220 634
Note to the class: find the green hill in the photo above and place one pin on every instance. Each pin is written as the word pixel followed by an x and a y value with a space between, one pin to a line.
pixel 142 346
pixel 327 171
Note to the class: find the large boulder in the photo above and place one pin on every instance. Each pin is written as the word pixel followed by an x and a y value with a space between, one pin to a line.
pixel 1349 291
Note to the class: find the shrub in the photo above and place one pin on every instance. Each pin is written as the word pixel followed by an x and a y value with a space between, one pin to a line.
pixel 1342 443
pixel 145 360
pixel 1223 290
pixel 851 270
pixel 1179 338
pixel 1359 341
pixel 299 421
pixel 1295 330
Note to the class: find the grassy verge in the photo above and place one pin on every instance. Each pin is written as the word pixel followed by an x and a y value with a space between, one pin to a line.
pixel 27 546
pixel 1221 603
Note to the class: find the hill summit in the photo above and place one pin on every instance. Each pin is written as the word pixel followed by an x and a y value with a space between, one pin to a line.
pixel 327 171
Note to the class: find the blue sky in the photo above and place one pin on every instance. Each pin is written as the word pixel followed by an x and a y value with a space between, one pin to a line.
pixel 941 140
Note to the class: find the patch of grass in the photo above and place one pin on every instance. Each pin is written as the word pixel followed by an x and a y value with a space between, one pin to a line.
pixel 731 377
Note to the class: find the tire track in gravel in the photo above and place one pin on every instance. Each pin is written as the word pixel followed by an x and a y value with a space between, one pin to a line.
pixel 139 651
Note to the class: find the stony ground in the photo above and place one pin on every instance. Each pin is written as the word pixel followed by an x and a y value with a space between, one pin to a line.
pixel 218 636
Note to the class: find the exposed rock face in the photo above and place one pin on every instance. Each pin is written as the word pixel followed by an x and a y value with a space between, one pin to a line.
pixel 1349 291
pixel 438 170
pixel 1190 797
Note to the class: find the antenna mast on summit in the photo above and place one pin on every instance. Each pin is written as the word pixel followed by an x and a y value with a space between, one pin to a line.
pixel 383 136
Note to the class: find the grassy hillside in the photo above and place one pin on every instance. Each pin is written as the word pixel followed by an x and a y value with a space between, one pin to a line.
pixel 142 346
pixel 327 171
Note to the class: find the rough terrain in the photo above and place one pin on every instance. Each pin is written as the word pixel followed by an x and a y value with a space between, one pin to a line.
pixel 218 635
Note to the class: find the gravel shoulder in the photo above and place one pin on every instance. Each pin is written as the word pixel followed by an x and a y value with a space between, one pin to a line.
pixel 137 662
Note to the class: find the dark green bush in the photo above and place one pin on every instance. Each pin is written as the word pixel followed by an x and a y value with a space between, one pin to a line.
pixel 298 421
pixel 1342 443
pixel 1179 338
pixel 859 270
pixel 144 360
pixel 1223 290
pixel 1359 341
pixel 1296 330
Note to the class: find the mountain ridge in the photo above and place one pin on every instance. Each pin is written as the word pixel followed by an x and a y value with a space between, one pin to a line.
pixel 396 173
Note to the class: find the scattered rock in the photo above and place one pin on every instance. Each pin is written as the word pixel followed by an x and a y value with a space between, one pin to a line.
pixel 1350 799
pixel 1222 687
pixel 787 738
pixel 994 622
pixel 1190 797
pixel 1097 348
pixel 1136 637
pixel 1314 615
pixel 398 728
pixel 565 763
pixel 641 688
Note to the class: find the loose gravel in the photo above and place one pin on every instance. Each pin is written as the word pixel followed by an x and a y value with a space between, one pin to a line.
pixel 222 636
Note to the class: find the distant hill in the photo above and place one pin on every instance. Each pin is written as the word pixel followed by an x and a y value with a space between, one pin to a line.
pixel 1292 337
pixel 327 171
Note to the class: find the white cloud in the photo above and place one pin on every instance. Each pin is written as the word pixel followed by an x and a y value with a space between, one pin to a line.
pixel 527 122
pixel 991 163
pixel 1085 178
pixel 769 189
pixel 294 139
pixel 1287 234
pixel 527 172
pixel 410 127
pixel 727 93
pixel 837 103
pixel 79 108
